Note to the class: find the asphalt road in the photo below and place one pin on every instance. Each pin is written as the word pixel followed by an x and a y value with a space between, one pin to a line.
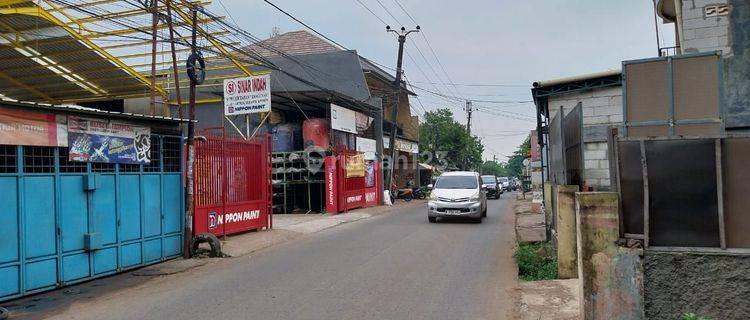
pixel 393 266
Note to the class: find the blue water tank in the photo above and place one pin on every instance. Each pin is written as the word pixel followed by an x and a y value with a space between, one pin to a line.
pixel 283 137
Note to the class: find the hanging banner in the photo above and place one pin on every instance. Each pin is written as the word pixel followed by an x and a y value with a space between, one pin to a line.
pixel 100 140
pixel 31 128
pixel 247 95
pixel 369 174
pixel 355 166
pixel 343 119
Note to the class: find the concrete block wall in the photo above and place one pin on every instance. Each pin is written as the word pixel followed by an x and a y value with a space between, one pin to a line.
pixel 601 107
pixel 716 286
pixel 611 278
pixel 701 33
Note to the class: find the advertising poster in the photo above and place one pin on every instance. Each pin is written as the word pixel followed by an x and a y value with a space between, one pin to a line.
pixel 100 140
pixel 369 174
pixel 31 128
pixel 247 95
pixel 355 166
pixel 536 154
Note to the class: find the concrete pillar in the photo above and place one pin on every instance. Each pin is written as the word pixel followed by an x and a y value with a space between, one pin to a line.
pixel 611 277
pixel 566 231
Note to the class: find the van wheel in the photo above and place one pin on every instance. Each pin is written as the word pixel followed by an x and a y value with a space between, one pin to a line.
pixel 432 219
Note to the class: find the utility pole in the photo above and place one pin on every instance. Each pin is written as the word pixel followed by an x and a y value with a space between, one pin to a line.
pixel 397 84
pixel 191 144
pixel 154 26
pixel 468 116
pixel 174 61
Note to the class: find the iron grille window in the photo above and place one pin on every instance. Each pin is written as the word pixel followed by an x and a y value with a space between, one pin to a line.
pixel 67 166
pixel 8 160
pixel 102 167
pixel 171 151
pixel 38 159
pixel 128 167
pixel 154 166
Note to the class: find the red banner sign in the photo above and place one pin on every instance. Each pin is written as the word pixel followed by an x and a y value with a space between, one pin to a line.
pixel 31 128
pixel 331 188
pixel 536 153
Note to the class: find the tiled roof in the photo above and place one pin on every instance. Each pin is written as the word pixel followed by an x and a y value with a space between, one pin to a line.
pixel 293 43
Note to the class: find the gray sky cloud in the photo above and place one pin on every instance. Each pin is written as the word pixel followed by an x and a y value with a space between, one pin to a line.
pixel 478 42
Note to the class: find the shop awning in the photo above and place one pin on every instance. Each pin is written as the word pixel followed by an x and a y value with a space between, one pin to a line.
pixel 47 60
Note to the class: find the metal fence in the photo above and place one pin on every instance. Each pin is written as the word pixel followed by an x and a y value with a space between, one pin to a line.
pixel 685 192
pixel 232 183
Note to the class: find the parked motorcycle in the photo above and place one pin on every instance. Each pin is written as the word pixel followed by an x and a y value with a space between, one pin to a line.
pixel 420 193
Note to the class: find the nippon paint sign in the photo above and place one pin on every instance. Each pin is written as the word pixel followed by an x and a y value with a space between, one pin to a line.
pixel 353 199
pixel 247 95
pixel 332 203
pixel 215 220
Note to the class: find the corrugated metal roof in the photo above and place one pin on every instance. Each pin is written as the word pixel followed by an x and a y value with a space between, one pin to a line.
pixel 88 111
pixel 47 64
pixel 553 82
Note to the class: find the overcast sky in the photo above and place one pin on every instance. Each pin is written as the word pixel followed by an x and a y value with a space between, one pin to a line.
pixel 478 42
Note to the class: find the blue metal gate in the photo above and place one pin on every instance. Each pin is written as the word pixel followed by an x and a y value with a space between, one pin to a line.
pixel 63 222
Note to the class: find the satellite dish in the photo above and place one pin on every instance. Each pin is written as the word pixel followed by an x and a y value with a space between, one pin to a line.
pixel 526 162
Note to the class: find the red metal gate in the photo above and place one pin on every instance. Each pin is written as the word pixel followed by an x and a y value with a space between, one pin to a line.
pixel 342 193
pixel 232 184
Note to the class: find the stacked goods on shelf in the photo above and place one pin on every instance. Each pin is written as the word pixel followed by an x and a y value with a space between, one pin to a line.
pixel 297 179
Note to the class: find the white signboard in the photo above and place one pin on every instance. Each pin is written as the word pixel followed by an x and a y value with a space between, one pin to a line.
pixel 401 145
pixel 343 119
pixel 367 146
pixel 407 146
pixel 247 95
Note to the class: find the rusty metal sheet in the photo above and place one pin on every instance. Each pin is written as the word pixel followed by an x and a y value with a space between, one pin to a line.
pixel 631 186
pixel 573 142
pixel 556 151
pixel 698 130
pixel 736 175
pixel 647 93
pixel 648 131
pixel 696 87
pixel 683 202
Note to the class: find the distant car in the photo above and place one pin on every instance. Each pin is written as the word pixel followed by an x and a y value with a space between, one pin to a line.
pixel 505 182
pixel 494 190
pixel 458 194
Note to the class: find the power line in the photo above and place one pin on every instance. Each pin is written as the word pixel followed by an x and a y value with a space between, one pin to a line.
pixel 389 12
pixel 372 12
pixel 482 85
pixel 304 24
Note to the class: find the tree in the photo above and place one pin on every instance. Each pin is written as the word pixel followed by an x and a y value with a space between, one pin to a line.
pixel 447 144
pixel 494 168
pixel 515 163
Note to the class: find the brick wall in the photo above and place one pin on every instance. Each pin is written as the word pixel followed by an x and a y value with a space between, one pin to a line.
pixel 701 33
pixel 602 108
